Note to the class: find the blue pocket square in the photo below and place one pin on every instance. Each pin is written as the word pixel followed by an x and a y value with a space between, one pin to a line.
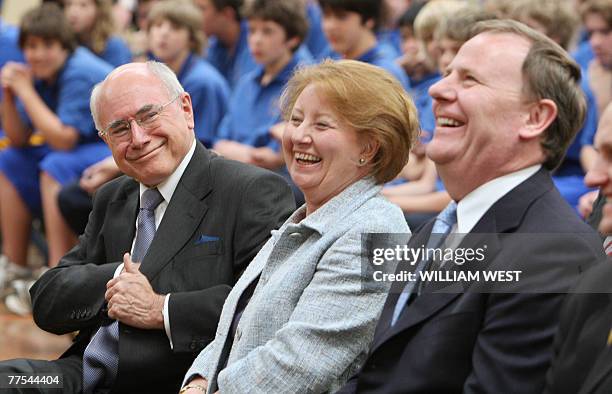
pixel 205 238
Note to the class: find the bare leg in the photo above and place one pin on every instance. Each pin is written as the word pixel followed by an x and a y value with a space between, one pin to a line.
pixel 16 223
pixel 60 237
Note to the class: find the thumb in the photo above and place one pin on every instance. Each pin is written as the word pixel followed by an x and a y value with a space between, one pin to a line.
pixel 128 265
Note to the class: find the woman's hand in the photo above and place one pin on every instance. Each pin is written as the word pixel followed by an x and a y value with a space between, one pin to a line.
pixel 198 385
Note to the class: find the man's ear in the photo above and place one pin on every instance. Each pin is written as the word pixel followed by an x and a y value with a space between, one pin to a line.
pixel 370 23
pixel 293 43
pixel 541 114
pixel 187 109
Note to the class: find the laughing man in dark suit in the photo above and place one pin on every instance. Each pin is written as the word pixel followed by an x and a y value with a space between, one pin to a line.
pixel 506 111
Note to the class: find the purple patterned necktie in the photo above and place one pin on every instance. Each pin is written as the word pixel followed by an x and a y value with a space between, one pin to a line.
pixel 101 357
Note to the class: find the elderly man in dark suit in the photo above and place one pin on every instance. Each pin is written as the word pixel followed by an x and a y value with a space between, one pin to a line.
pixel 145 287
pixel 506 110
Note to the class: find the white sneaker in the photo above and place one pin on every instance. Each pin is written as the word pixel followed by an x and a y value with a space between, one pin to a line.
pixel 19 301
pixel 9 272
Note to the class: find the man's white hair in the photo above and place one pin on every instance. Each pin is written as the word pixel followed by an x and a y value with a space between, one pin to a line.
pixel 160 70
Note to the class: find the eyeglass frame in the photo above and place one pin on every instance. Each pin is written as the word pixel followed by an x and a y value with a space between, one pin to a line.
pixel 160 109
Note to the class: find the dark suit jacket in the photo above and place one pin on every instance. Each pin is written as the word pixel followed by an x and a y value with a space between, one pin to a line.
pixel 221 213
pixel 477 342
pixel 583 357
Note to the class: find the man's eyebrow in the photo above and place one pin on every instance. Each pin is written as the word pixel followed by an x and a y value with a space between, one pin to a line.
pixel 115 123
pixel 144 109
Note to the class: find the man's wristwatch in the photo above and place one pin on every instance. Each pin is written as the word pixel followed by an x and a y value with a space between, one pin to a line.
pixel 193 386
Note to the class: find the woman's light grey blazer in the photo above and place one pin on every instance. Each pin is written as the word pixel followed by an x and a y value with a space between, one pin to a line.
pixel 309 323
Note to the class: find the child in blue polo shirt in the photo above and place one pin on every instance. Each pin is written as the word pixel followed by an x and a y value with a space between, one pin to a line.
pixel 92 21
pixel 228 49
pixel 276 31
pixel 175 39
pixel 50 97
pixel 350 27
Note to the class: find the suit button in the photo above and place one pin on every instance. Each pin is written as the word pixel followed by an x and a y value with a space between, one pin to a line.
pixel 193 346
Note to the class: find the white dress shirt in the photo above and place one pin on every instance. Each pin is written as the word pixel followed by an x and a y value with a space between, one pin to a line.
pixel 166 189
pixel 474 205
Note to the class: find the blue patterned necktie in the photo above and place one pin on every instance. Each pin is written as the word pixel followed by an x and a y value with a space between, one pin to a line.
pixel 101 357
pixel 442 227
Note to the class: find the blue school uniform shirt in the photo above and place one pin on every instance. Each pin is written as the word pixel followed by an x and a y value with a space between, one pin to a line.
pixel 68 97
pixel 569 177
pixel 254 108
pixel 391 41
pixel 378 57
pixel 116 52
pixel 232 66
pixel 424 104
pixel 9 49
pixel 583 54
pixel 315 40
pixel 571 164
pixel 209 93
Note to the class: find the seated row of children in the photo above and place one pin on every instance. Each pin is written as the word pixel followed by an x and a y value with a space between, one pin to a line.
pixel 56 162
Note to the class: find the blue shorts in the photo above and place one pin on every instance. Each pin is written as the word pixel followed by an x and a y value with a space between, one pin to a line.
pixel 22 167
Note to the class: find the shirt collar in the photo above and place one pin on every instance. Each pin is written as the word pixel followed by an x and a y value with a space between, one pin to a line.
pixel 337 207
pixel 167 187
pixel 284 75
pixel 185 67
pixel 370 55
pixel 473 206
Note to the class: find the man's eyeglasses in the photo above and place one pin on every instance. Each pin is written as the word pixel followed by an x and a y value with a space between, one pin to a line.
pixel 147 118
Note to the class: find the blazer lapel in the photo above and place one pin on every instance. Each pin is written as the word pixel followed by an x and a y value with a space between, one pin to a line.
pixel 418 238
pixel 422 308
pixel 504 216
pixel 121 211
pixel 183 215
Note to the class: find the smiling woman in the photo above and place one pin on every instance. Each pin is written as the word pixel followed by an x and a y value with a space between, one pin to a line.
pixel 336 136
pixel 349 129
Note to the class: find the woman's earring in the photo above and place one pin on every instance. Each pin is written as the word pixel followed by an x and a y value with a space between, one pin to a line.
pixel 362 161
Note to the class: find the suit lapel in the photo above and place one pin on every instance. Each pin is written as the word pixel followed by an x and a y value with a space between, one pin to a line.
pixel 417 239
pixel 504 216
pixel 121 211
pixel 183 215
